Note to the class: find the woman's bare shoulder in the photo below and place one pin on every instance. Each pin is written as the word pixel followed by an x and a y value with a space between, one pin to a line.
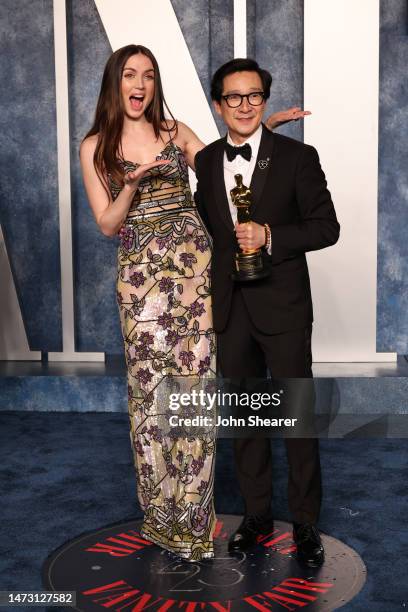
pixel 184 130
pixel 185 135
pixel 170 124
pixel 88 145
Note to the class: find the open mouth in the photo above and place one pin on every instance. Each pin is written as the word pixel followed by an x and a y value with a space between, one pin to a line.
pixel 136 102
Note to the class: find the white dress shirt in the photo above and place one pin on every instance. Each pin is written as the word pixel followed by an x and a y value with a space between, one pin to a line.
pixel 239 165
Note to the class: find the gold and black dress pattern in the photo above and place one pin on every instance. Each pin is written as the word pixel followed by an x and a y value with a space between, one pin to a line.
pixel 163 294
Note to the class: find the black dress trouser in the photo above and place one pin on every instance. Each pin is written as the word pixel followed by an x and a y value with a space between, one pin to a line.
pixel 244 351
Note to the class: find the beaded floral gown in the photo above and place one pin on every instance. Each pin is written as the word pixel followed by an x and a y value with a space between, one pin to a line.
pixel 163 294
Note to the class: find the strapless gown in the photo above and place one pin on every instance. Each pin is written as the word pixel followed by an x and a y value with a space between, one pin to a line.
pixel 163 295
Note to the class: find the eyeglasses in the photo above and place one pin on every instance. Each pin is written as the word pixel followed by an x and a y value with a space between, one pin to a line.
pixel 234 100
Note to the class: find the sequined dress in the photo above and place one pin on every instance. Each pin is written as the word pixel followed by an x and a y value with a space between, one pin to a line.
pixel 163 294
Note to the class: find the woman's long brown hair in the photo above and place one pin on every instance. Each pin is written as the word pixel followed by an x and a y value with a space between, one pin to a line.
pixel 108 122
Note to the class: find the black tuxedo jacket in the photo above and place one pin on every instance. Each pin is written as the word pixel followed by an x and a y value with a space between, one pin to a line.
pixel 291 195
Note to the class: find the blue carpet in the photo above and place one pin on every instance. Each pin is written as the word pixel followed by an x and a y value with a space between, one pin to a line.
pixel 67 473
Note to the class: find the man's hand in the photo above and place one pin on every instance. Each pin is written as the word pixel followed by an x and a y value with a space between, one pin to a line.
pixel 250 235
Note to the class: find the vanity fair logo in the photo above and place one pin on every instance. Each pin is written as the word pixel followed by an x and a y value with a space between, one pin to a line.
pixel 117 569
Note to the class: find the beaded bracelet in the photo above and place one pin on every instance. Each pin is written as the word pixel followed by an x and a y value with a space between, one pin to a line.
pixel 268 237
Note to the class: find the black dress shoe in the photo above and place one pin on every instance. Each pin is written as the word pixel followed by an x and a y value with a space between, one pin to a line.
pixel 251 527
pixel 310 551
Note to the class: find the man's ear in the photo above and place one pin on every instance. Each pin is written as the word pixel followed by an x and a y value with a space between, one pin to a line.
pixel 217 107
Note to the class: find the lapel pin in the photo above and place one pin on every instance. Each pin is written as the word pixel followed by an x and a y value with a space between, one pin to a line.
pixel 263 163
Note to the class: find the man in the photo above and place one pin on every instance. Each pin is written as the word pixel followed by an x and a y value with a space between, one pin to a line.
pixel 265 324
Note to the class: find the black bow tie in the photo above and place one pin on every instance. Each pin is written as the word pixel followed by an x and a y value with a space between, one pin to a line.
pixel 232 152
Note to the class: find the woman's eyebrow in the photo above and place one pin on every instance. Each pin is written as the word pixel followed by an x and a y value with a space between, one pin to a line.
pixel 134 69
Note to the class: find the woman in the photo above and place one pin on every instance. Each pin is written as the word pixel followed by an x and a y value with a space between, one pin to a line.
pixel 162 288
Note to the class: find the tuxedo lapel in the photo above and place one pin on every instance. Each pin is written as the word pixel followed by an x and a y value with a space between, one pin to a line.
pixel 262 167
pixel 219 185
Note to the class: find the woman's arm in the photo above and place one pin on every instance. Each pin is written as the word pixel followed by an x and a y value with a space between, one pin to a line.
pixel 192 144
pixel 109 215
pixel 291 114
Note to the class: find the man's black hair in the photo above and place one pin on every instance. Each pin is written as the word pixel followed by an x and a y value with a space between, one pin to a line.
pixel 239 65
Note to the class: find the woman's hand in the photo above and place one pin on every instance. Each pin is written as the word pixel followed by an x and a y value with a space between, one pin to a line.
pixel 110 215
pixel 291 114
pixel 132 179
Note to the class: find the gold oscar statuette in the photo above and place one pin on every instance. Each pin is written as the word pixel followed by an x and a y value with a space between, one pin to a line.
pixel 249 262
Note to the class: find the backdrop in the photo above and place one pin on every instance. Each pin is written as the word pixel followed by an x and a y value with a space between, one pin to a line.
pixel 346 63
